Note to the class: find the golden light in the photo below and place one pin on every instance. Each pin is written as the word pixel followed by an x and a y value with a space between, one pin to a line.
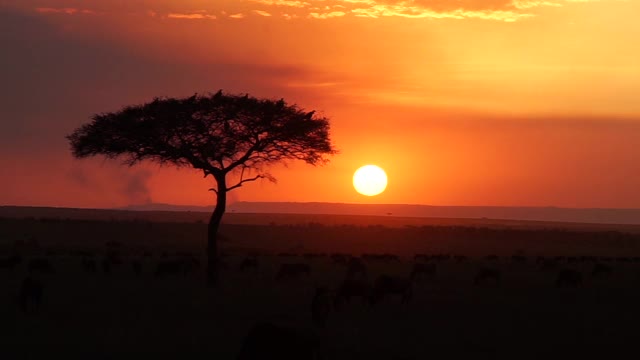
pixel 370 180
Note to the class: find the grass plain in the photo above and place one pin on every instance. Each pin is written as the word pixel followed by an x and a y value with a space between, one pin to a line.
pixel 123 314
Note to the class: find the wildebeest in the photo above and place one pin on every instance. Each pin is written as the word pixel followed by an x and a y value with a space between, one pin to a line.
pixel 381 257
pixel 287 254
pixel 269 341
pixel 352 288
pixel 31 292
pixel 392 285
pixel 10 262
pixel 293 270
pixel 492 258
pixel 600 269
pixel 339 259
pixel 136 265
pixel 549 264
pixel 111 260
pixel 183 266
pixel 248 263
pixel 41 265
pixel 356 269
pixel 569 278
pixel 321 307
pixel 89 265
pixel 487 274
pixel 421 257
pixel 423 270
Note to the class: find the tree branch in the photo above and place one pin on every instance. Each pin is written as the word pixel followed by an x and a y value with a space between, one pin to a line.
pixel 242 181
pixel 243 158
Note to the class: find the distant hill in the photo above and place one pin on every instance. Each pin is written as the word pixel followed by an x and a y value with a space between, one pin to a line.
pixel 166 207
pixel 235 217
pixel 596 216
pixel 168 212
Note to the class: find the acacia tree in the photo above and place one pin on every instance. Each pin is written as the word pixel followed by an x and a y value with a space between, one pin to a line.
pixel 226 136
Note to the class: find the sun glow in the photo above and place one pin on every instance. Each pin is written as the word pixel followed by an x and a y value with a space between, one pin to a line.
pixel 370 180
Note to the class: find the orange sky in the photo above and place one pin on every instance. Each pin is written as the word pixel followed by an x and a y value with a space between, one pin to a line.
pixel 471 102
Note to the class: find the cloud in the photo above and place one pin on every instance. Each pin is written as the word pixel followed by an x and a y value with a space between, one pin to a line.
pixel 497 10
pixel 66 11
pixel 190 16
pixel 289 3
pixel 262 13
pixel 328 15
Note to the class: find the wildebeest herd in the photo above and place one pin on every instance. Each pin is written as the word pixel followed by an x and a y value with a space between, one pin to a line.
pixel 340 292
pixel 139 288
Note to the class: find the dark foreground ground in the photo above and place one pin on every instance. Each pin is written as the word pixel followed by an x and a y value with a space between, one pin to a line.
pixel 122 313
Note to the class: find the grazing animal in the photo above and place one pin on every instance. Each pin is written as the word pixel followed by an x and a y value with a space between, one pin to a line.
pixel 293 270
pixel 248 263
pixel 421 257
pixel 112 244
pixel 174 267
pixel 41 265
pixel 106 265
pixel 287 254
pixel 488 274
pixel 569 278
pixel 269 341
pixel 391 285
pixel 382 257
pixel 11 262
pixel 31 291
pixel 352 288
pixel 136 265
pixel 89 265
pixel 441 257
pixel 320 307
pixel 339 259
pixel 356 269
pixel 549 264
pixel 600 269
pixel 423 270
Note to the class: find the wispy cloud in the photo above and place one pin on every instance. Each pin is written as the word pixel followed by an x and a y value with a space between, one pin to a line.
pixel 327 15
pixel 191 16
pixel 498 10
pixel 66 11
pixel 289 3
pixel 262 13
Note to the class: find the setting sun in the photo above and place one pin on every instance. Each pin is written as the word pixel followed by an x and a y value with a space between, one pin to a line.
pixel 370 180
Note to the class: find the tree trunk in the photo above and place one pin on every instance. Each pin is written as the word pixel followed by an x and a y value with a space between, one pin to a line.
pixel 212 233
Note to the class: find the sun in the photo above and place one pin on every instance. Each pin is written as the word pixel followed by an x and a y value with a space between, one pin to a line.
pixel 370 180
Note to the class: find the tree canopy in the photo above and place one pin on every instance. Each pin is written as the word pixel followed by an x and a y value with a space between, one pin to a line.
pixel 215 133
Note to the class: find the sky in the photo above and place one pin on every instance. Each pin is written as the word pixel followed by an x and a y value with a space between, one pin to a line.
pixel 462 102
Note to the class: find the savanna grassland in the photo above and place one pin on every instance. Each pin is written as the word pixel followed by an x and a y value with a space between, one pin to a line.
pixel 128 303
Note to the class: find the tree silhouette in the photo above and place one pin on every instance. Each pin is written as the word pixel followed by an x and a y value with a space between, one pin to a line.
pixel 222 135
